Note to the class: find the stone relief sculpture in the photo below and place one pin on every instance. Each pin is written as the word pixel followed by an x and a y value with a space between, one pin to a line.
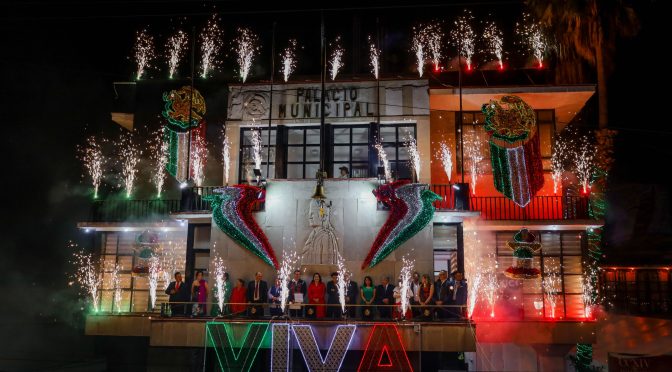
pixel 321 245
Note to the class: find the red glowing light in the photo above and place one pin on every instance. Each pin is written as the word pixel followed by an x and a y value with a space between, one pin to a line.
pixel 388 361
pixel 541 64
pixel 386 346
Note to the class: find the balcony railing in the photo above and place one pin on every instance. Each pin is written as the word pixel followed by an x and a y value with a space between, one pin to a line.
pixel 131 210
pixel 491 207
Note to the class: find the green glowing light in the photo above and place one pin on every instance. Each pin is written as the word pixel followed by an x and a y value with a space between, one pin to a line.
pixel 235 354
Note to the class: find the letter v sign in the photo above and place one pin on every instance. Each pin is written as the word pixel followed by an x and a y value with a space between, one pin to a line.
pixel 311 352
pixel 232 354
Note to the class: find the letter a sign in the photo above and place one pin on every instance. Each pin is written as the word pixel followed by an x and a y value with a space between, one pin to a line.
pixel 385 351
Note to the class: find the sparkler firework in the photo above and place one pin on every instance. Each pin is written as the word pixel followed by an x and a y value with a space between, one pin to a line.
pixel 211 39
pixel 405 283
pixel 289 59
pixel 289 260
pixel 550 285
pixel 94 161
pixel 490 290
pixel 583 161
pixel 374 57
pixel 343 280
pixel 414 157
pixel 495 43
pixel 128 158
pixel 159 149
pixel 418 48
pixel 246 46
pixel 464 37
pixel 589 290
pixel 382 156
pixel 336 58
pixel 226 156
pixel 472 149
pixel 115 284
pixel 199 154
pixel 561 150
pixel 175 47
pixel 533 38
pixel 219 272
pixel 154 266
pixel 87 274
pixel 144 53
pixel 434 39
pixel 446 159
pixel 256 148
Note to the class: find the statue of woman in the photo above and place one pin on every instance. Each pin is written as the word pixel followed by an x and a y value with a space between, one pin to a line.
pixel 321 246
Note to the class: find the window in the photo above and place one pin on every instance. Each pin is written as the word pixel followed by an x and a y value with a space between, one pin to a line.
pixel 246 164
pixel 476 144
pixel 303 152
pixel 122 249
pixel 560 256
pixel 351 150
pixel 445 248
pixel 637 291
pixel 393 137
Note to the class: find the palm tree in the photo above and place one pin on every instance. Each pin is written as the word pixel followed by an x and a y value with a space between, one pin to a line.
pixel 588 29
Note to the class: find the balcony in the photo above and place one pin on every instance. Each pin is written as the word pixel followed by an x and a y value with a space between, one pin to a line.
pixel 491 207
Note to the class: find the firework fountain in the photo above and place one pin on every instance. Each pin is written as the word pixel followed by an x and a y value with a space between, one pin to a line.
pixel 154 265
pixel 494 41
pixel 219 272
pixel 246 46
pixel 374 57
pixel 414 157
pixel 382 155
pixel 583 162
pixel 589 290
pixel 94 161
pixel 558 159
pixel 159 149
pixel 226 156
pixel 115 284
pixel 175 47
pixel 491 289
pixel 472 148
pixel 144 53
pixel 211 40
pixel 446 159
pixel 289 59
pixel 343 280
pixel 336 58
pixel 289 260
pixel 550 284
pixel 129 159
pixel 434 39
pixel 533 38
pixel 464 37
pixel 170 261
pixel 418 48
pixel 405 283
pixel 87 274
pixel 199 153
pixel 256 148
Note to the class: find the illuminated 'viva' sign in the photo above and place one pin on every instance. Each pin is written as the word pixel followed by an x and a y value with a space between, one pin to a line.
pixel 384 348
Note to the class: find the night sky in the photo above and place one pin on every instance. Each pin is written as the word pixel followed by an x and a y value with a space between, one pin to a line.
pixel 59 60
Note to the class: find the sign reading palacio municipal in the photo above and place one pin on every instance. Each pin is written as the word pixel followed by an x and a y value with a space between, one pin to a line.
pixel 353 101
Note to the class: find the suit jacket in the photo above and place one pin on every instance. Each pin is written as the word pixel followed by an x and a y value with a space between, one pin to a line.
pixel 352 292
pixel 263 291
pixel 458 296
pixel 299 287
pixel 382 293
pixel 332 293
pixel 182 294
pixel 442 291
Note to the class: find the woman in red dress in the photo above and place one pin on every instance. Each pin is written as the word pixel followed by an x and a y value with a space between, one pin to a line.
pixel 239 298
pixel 316 291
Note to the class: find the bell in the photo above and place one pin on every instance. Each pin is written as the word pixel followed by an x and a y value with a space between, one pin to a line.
pixel 319 193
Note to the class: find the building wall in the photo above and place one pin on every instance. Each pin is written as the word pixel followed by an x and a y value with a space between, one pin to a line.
pixel 355 219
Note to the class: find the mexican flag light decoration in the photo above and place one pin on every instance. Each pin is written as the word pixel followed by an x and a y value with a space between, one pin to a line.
pixel 514 148
pixel 523 246
pixel 232 213
pixel 180 126
pixel 411 209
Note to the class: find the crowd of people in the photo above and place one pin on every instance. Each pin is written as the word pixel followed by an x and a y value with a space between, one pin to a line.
pixel 444 298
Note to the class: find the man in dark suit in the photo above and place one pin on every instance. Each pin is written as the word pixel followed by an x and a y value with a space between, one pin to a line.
pixel 177 292
pixel 351 298
pixel 442 293
pixel 385 294
pixel 333 298
pixel 458 295
pixel 297 286
pixel 257 293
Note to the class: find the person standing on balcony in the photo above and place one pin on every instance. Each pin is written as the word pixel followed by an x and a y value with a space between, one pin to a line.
pixel 333 301
pixel 426 294
pixel 415 294
pixel 385 292
pixel 239 298
pixel 316 291
pixel 274 298
pixel 442 293
pixel 297 293
pixel 178 295
pixel 199 294
pixel 351 297
pixel 458 295
pixel 257 293
pixel 368 295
